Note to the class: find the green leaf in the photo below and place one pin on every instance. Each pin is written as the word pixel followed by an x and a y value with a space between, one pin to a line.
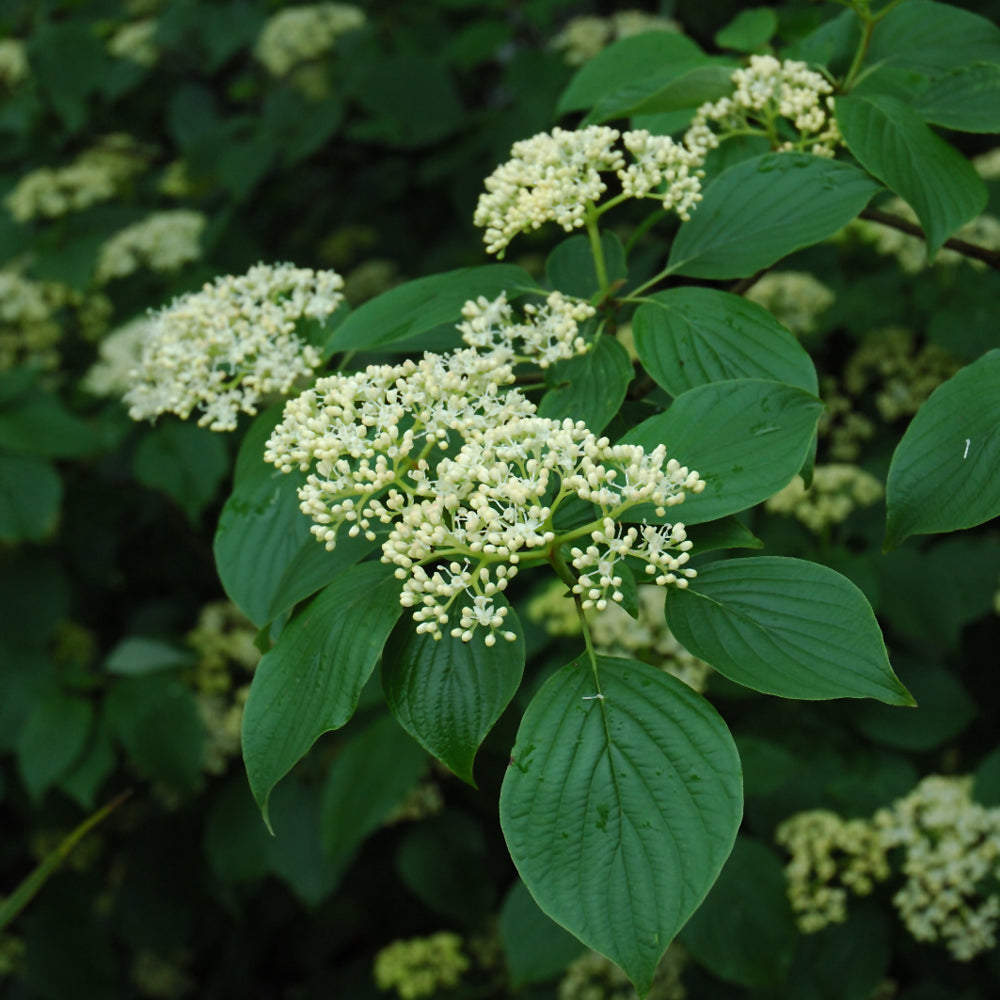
pixel 185 461
pixel 745 932
pixel 311 681
pixel 890 141
pixel 138 655
pixel 844 961
pixel 266 556
pixel 943 475
pixel 749 31
pixel 591 387
pixel 786 627
pixel 570 266
pixel 38 424
pixel 419 306
pixel 447 694
pixel 666 91
pixel 933 38
pixel 441 861
pixel 762 209
pixel 155 718
pixel 30 495
pixel 54 734
pixel 625 62
pixel 620 810
pixel 687 337
pixel 370 776
pixel 967 100
pixel 747 439
pixel 296 852
pixel 725 533
pixel 536 948
pixel 237 844
pixel 944 709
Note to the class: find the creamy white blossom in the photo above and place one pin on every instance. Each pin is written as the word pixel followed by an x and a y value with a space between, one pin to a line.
pixel 583 37
pixel 13 62
pixel 135 42
pixel 96 175
pixel 836 491
pixel 796 298
pixel 557 177
pixel 298 35
pixel 951 859
pixel 163 241
pixel 222 349
pixel 785 100
pixel 549 333
pixel 468 479
pixel 118 355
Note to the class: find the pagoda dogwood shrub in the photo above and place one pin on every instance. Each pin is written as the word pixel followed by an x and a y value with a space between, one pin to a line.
pixel 562 468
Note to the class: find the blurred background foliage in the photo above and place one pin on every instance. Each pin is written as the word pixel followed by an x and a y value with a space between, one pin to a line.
pixel 149 145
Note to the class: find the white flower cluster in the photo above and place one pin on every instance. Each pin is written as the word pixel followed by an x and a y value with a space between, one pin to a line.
pixel 951 849
pixel 13 62
pixel 550 332
pixel 118 355
pixel 135 42
pixel 29 323
pixel 421 967
pixel 298 35
pixel 836 490
pixel 94 176
pixel 556 177
pixel 830 856
pixel 987 164
pixel 223 641
pixel 163 241
pixel 784 100
pixel 902 375
pixel 223 348
pixel 947 847
pixel 460 529
pixel 796 298
pixel 583 37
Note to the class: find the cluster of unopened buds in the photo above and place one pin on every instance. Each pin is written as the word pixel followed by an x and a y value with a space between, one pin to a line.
pixel 469 479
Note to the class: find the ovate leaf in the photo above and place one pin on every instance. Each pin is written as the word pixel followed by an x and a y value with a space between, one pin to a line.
pixel 625 62
pixel 30 494
pixel 747 439
pixel 447 694
pixel 967 99
pixel 749 31
pixel 762 209
pixel 370 776
pixel 943 475
pixel 419 306
pixel 590 387
pixel 311 681
pixel 786 627
pixel 620 806
pixel 933 38
pixel 265 554
pixel 53 736
pixel 535 947
pixel 686 337
pixel 666 91
pixel 891 141
pixel 745 932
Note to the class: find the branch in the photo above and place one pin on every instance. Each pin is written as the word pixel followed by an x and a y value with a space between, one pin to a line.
pixel 989 257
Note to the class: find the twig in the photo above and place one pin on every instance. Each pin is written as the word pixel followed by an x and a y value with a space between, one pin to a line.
pixel 989 257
